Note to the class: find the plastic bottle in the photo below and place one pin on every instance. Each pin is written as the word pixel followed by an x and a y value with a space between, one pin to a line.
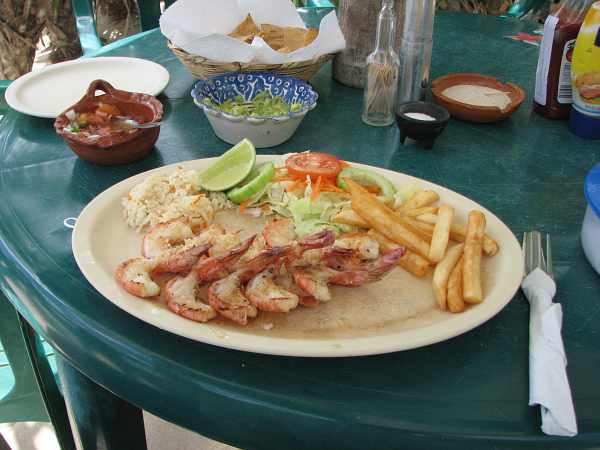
pixel 553 95
pixel 585 73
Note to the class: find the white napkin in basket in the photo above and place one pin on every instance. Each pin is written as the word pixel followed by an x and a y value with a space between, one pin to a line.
pixel 200 27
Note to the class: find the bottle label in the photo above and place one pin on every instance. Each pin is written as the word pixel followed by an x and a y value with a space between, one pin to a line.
pixel 585 71
pixel 541 75
pixel 565 94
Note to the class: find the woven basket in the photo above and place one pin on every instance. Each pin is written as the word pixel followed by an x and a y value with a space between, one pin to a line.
pixel 203 68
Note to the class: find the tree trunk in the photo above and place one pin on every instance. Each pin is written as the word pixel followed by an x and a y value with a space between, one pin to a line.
pixel 358 21
pixel 21 25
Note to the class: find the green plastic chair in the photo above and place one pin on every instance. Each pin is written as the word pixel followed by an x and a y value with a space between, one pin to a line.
pixel 35 393
pixel 522 7
pixel 86 23
pixel 314 10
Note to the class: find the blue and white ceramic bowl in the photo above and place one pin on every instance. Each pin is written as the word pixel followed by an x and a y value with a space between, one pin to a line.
pixel 263 131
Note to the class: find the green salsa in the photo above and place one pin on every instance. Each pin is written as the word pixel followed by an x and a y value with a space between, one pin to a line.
pixel 263 104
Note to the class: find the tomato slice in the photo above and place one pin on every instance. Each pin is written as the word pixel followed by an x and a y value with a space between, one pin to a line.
pixel 313 164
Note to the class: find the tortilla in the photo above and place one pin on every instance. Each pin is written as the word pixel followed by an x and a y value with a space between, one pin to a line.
pixel 246 30
pixel 282 39
pixel 272 35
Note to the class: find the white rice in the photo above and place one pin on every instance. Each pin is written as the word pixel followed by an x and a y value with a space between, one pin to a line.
pixel 160 198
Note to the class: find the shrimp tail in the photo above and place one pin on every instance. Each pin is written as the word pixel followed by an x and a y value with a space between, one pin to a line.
pixel 182 261
pixel 362 273
pixel 266 258
pixel 217 267
pixel 323 238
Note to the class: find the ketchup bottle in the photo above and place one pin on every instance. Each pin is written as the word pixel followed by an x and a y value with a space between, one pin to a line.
pixel 553 96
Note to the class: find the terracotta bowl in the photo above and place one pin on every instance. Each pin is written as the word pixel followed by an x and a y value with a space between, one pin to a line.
pixel 119 147
pixel 473 113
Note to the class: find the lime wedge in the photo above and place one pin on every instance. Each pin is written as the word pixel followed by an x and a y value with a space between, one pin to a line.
pixel 254 185
pixel 231 168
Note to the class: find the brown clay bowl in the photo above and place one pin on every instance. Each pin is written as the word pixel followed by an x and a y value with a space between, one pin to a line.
pixel 120 146
pixel 472 113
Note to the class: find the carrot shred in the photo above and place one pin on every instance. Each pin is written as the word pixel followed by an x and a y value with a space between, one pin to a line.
pixel 295 185
pixel 344 164
pixel 284 178
pixel 244 205
pixel 316 190
pixel 372 189
pixel 329 187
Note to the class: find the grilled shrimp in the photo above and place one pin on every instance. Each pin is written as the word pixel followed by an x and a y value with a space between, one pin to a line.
pixel 344 269
pixel 181 294
pixel 226 295
pixel 365 246
pixel 346 262
pixel 223 243
pixel 217 267
pixel 286 281
pixel 165 236
pixel 279 232
pixel 266 295
pixel 180 260
pixel 227 298
pixel 282 232
pixel 314 282
pixel 134 276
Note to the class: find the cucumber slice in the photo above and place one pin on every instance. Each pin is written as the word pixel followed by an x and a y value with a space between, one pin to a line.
pixel 253 185
pixel 367 177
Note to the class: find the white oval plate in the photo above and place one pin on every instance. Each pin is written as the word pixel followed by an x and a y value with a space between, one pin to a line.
pixel 101 240
pixel 49 91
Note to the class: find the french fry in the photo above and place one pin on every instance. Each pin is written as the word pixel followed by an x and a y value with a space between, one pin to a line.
pixel 458 233
pixel 415 212
pixel 382 218
pixel 442 273
pixel 349 217
pixel 455 299
pixel 425 230
pixel 421 199
pixel 472 291
pixel 429 218
pixel 441 233
pixel 410 261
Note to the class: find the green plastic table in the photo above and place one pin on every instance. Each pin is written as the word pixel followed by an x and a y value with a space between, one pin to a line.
pixel 469 392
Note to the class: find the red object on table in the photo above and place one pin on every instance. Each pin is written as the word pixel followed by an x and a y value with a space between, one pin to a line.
pixel 553 77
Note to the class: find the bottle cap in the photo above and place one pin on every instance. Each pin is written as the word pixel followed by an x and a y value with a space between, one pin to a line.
pixel 584 125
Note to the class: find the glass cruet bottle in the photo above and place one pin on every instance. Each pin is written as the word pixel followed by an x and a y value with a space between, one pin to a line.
pixel 382 71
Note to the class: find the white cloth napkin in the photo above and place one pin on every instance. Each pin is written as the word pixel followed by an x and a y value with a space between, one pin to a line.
pixel 548 383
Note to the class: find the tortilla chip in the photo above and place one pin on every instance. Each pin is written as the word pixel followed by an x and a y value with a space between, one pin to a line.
pixel 293 38
pixel 272 35
pixel 246 30
pixel 311 35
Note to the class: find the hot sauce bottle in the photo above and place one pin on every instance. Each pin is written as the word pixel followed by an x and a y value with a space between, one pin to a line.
pixel 553 94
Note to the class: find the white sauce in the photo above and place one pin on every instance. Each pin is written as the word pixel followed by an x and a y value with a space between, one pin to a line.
pixel 477 95
pixel 419 116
